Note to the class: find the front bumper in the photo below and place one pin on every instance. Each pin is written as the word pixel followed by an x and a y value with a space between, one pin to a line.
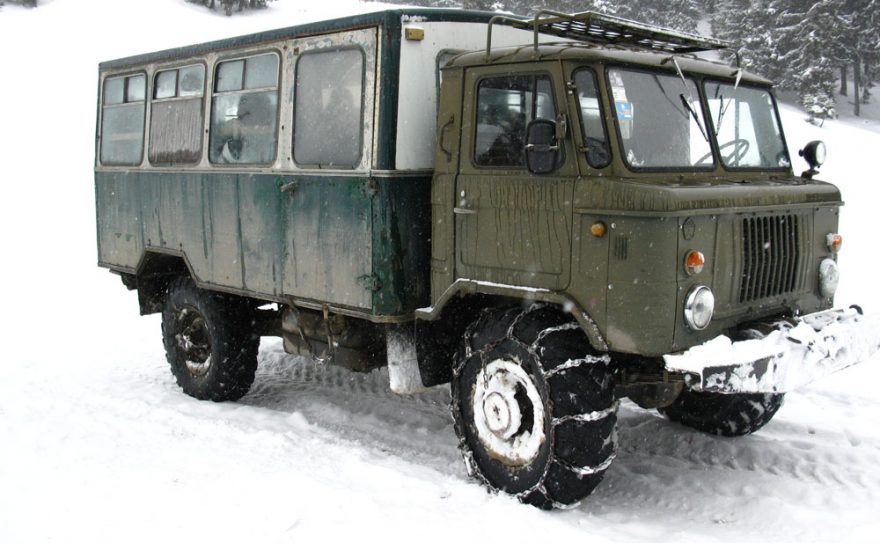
pixel 795 353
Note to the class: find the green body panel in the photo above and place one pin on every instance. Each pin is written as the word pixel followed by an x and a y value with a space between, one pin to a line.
pixel 353 242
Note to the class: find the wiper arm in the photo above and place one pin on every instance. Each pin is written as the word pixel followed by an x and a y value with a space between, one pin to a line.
pixel 690 107
pixel 688 101
pixel 722 109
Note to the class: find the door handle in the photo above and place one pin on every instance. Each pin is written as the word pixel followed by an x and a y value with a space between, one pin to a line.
pixel 288 187
pixel 464 211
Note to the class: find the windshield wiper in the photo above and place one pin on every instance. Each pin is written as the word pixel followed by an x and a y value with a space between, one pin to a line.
pixel 722 108
pixel 689 106
pixel 688 101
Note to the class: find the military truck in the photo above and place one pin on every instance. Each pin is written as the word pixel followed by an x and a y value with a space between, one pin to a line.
pixel 549 213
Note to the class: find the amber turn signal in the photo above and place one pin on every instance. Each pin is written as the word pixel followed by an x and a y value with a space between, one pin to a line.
pixel 598 229
pixel 694 262
pixel 834 242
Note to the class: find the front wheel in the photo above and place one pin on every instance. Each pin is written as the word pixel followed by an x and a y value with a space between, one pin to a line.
pixel 533 406
pixel 209 342
pixel 728 415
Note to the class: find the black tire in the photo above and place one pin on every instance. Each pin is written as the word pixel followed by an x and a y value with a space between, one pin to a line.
pixel 551 402
pixel 209 342
pixel 728 415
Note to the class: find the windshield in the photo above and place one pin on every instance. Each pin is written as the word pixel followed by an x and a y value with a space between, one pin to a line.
pixel 745 123
pixel 660 120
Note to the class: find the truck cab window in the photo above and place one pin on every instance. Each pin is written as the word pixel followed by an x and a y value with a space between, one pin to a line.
pixel 660 120
pixel 122 120
pixel 329 105
pixel 505 106
pixel 244 114
pixel 592 123
pixel 176 117
pixel 745 124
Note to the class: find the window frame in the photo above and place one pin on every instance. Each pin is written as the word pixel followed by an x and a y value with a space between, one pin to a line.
pixel 363 109
pixel 598 82
pixel 178 98
pixel 213 94
pixel 118 105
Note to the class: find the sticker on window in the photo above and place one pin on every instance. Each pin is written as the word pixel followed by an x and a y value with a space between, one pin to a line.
pixel 624 111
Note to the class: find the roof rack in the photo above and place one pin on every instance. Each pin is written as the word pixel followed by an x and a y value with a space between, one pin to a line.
pixel 598 28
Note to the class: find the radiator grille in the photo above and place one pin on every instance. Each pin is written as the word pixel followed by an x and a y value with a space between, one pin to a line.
pixel 771 256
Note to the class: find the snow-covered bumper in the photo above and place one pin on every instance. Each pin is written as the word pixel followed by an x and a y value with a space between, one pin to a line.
pixel 794 354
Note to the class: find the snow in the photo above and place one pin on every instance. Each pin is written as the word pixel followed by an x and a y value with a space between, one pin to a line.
pixel 97 443
pixel 784 360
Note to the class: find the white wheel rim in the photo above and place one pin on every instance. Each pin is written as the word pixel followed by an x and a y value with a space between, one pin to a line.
pixel 504 396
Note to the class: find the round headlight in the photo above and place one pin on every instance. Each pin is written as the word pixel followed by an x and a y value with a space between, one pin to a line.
pixel 829 277
pixel 699 307
pixel 814 153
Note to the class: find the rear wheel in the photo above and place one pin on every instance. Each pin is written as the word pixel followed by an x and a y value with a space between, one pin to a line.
pixel 533 406
pixel 728 415
pixel 209 342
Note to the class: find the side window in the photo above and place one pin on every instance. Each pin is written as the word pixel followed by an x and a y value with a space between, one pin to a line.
pixel 122 120
pixel 328 109
pixel 505 106
pixel 592 121
pixel 176 117
pixel 244 111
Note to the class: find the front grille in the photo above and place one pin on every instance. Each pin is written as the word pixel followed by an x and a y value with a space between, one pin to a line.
pixel 771 256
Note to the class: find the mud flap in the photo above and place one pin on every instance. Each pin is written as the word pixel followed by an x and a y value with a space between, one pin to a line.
pixel 403 364
pixel 793 355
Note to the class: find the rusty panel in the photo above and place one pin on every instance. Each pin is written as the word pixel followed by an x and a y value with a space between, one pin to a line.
pixel 262 233
pixel 222 234
pixel 120 240
pixel 327 243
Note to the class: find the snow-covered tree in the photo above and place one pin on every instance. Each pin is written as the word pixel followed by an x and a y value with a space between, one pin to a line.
pixel 231 6
pixel 811 65
pixel 863 45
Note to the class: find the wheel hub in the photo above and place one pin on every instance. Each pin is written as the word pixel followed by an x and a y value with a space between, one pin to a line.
pixel 194 342
pixel 508 413
pixel 502 415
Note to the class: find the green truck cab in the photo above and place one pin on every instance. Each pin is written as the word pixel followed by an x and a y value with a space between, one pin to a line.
pixel 550 214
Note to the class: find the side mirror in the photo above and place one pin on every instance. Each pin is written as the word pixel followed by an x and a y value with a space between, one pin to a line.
pixel 814 154
pixel 542 150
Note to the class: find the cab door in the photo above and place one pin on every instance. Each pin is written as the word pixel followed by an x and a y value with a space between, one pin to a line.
pixel 512 227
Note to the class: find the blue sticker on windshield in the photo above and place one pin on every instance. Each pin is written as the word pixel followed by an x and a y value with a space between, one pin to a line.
pixel 624 111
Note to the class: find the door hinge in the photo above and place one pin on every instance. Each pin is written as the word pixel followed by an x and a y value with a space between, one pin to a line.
pixel 370 282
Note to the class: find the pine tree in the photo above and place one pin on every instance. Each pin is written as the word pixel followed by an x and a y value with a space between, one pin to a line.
pixel 231 6
pixel 812 65
pixel 863 45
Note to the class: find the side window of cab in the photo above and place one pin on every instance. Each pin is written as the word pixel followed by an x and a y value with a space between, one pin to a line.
pixel 505 107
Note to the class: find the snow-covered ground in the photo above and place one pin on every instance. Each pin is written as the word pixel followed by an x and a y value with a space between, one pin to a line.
pixel 98 444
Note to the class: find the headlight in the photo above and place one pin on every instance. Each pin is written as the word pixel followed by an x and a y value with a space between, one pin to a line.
pixel 829 276
pixel 699 307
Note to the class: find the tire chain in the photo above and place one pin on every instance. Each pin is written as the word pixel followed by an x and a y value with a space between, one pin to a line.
pixel 468 455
